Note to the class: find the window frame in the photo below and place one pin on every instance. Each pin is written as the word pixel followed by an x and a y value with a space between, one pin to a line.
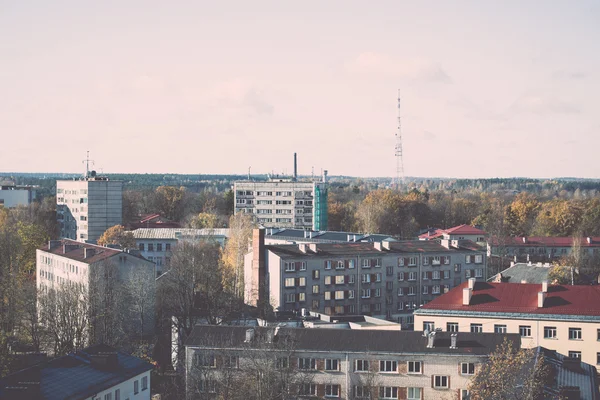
pixel 410 367
pixel 438 381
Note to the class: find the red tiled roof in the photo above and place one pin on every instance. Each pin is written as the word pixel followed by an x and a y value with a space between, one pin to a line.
pixel 522 298
pixel 545 241
pixel 75 251
pixel 465 229
pixel 432 234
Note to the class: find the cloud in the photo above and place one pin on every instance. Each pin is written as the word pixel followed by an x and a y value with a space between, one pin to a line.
pixel 382 64
pixel 540 104
pixel 242 93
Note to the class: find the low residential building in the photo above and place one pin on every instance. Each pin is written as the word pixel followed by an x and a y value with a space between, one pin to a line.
pixel 460 232
pixel 523 273
pixel 384 279
pixel 540 248
pixel 341 363
pixel 12 195
pixel 152 221
pixel 562 318
pixel 293 236
pixel 68 262
pixel 156 244
pixel 95 373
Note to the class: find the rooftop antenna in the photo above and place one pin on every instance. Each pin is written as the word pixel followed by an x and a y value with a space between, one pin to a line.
pixel 249 173
pixel 312 173
pixel 87 164
pixel 398 150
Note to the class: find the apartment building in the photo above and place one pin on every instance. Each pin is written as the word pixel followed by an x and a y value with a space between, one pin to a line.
pixel 460 232
pixel 540 248
pixel 87 207
pixel 157 244
pixel 562 318
pixel 339 363
pixel 384 279
pixel 293 236
pixel 66 261
pixel 284 203
pixel 95 373
pixel 12 195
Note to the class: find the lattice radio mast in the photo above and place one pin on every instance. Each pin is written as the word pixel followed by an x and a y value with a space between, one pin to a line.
pixel 398 152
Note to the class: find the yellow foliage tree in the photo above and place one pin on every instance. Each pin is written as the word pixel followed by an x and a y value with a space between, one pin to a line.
pixel 117 235
pixel 232 258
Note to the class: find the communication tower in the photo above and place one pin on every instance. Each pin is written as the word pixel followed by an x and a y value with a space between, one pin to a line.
pixel 398 150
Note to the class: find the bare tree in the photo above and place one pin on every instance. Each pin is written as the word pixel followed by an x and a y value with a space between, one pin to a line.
pixel 140 301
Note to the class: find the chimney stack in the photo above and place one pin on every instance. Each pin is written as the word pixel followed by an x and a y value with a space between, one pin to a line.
pixel 467 293
pixel 545 286
pixel 541 298
pixel 431 340
pixel 589 240
pixel 325 176
pixel 453 339
pixel 87 253
pixel 257 278
pixel 472 283
pixel 524 239
pixel 295 168
pixel 249 335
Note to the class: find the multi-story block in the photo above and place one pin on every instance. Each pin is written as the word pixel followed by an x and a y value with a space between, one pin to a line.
pixel 284 203
pixel 540 248
pixel 293 236
pixel 91 267
pixel 562 318
pixel 338 363
pixel 157 244
pixel 12 195
pixel 87 207
pixel 94 373
pixel 384 279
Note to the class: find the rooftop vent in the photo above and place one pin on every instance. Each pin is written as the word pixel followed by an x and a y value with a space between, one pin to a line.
pixel 431 340
pixel 87 252
pixel 472 283
pixel 467 294
pixel 249 335
pixel 453 340
pixel 53 244
pixel 545 286
pixel 541 299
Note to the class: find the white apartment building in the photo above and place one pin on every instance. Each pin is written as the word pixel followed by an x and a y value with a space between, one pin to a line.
pixel 284 203
pixel 157 244
pixel 384 279
pixel 87 207
pixel 67 261
pixel 340 363
pixel 95 373
pixel 12 195
pixel 562 318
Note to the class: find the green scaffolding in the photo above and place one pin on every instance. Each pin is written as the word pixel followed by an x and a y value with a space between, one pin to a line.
pixel 320 217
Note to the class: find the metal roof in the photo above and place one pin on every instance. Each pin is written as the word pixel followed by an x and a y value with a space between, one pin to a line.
pixel 523 272
pixel 178 233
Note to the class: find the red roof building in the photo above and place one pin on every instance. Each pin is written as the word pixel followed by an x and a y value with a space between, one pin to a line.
pixel 460 232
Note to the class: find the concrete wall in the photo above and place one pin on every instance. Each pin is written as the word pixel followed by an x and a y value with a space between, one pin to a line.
pixel 14 198
pixel 126 389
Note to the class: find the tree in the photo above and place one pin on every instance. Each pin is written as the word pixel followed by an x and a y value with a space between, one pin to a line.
pixel 116 235
pixel 204 220
pixel 240 234
pixel 510 373
pixel 170 202
pixel 521 214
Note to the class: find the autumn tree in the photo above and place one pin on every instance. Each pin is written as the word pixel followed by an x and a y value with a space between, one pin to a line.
pixel 116 235
pixel 510 373
pixel 521 214
pixel 169 202
pixel 559 218
pixel 240 234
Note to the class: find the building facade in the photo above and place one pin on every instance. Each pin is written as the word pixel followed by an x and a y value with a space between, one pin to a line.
pixel 68 262
pixel 383 279
pixel 88 207
pixel 339 363
pixel 284 203
pixel 95 373
pixel 12 195
pixel 460 232
pixel 562 318
pixel 293 236
pixel 541 248
pixel 157 244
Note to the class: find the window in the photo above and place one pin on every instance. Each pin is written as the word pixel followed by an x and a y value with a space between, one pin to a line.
pixel 499 328
pixel 377 292
pixel 435 289
pixel 108 396
pixel 290 266
pixel 339 295
pixel 159 247
pixel 350 278
pixel 597 358
pixel 401 262
pixel 339 279
pixel 208 386
pixel 366 263
pixel 150 247
pixel 479 273
pixel 467 368
pixel 452 327
pixel 549 332
pixel 204 360
pixel 307 363
pixel 327 295
pixel 118 394
pixel 388 392
pixel 332 364
pixel 328 264
pixel 525 330
pixel 307 389
pixel 428 326
pixel 424 276
pixel 290 298
pixel 136 387
pixel 400 291
pixel 362 392
pixel 168 247
pixel 378 277
pixel 414 367
pixel 598 334
pixel 389 271
pixel 400 305
pixel 282 363
pixel 141 246
pixel 144 383
pixel 440 381
pixel 412 290
pixel 467 273
pixel 350 294
pixel 447 274
pixel 290 282
pixel 303 266
pixel 332 390
pixel 315 289
pixel 435 275
pixel 340 265
pixel 575 354
pixel 315 274
pixel 464 394
pixel 467 259
pixel 365 293
pixel 412 276
pixel 328 280
pixel 476 328
pixel 366 278
pixel 574 333
pixel 361 366
pixel 302 297
pixel 230 362
pixel 414 393
pixel 400 276
pixel 388 366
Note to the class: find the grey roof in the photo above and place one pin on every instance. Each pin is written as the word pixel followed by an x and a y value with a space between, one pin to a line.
pixel 571 373
pixel 523 272
pixel 73 376
pixel 348 249
pixel 325 236
pixel 349 340
pixel 178 233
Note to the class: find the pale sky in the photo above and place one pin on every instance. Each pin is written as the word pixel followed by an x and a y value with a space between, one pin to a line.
pixel 489 88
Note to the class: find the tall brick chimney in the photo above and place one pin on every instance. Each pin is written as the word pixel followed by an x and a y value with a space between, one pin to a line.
pixel 257 284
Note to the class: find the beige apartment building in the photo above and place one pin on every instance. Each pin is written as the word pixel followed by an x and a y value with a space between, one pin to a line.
pixel 384 279
pixel 562 318
pixel 87 207
pixel 339 363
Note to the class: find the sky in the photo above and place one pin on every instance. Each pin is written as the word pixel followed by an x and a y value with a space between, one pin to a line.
pixel 488 89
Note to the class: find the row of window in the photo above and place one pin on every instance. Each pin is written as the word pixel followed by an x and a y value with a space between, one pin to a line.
pixel 150 247
pixel 550 332
pixel 376 263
